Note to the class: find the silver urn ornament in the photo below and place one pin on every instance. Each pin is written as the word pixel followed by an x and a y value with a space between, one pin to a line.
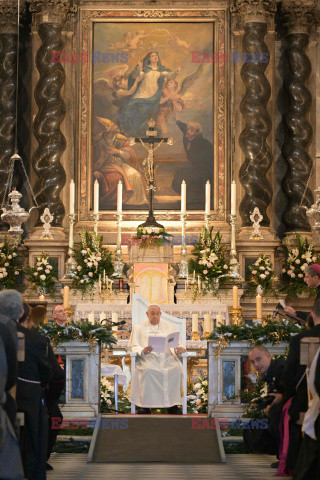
pixel 14 214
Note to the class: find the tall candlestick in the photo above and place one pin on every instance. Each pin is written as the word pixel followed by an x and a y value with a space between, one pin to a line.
pixel 72 195
pixel 119 197
pixel 233 198
pixel 208 197
pixel 259 307
pixel 96 197
pixel 183 197
pixel 219 320
pixel 206 323
pixel 235 300
pixel 199 283
pixel 195 322
pixel 65 296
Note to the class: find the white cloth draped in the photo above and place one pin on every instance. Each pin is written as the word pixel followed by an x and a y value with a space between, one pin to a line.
pixel 314 404
pixel 157 378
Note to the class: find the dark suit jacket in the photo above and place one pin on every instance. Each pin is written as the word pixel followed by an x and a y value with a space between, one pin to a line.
pixel 57 382
pixel 11 355
pixel 11 325
pixel 294 371
pixel 305 315
pixel 274 375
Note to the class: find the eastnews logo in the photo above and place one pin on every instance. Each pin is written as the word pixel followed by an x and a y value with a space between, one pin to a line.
pixel 97 57
pixel 235 57
pixel 84 423
pixel 199 423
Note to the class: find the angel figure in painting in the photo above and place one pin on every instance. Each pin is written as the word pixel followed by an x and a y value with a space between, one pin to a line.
pixel 114 161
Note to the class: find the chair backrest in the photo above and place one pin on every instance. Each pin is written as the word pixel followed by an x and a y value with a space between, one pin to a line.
pixel 139 309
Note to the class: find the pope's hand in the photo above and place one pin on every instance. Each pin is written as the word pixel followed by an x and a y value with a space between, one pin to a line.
pixel 180 350
pixel 290 310
pixel 147 350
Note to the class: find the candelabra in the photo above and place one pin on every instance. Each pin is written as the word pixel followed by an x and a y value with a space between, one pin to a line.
pixel 105 290
pixel 234 266
pixel 207 220
pixel 236 314
pixel 96 221
pixel 315 210
pixel 71 264
pixel 183 267
pixel 118 265
pixel 69 311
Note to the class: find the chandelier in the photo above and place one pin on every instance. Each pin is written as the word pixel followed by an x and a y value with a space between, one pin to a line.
pixel 13 213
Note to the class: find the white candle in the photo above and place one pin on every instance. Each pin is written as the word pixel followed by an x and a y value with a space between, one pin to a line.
pixel 65 296
pixel 100 283
pixel 104 276
pixel 96 197
pixel 102 316
pixel 194 277
pixel 199 283
pixel 183 197
pixel 233 198
pixel 206 323
pixel 119 197
pixel 91 318
pixel 41 298
pixel 195 322
pixel 259 307
pixel 235 300
pixel 208 195
pixel 219 320
pixel 72 196
pixel 114 316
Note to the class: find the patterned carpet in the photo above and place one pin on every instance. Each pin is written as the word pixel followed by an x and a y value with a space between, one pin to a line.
pixel 238 467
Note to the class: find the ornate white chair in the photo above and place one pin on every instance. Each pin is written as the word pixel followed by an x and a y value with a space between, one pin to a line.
pixel 139 308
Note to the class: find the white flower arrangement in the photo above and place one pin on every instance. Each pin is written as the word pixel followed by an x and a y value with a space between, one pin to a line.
pixel 262 276
pixel 10 265
pixel 39 277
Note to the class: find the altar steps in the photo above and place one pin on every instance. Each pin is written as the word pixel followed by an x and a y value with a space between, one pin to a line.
pixel 155 438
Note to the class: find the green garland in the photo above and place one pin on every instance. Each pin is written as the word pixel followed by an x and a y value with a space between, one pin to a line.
pixel 271 332
pixel 84 331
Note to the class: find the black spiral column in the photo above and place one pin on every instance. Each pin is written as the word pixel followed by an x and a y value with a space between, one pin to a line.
pixel 8 84
pixel 255 16
pixel 50 17
pixel 298 132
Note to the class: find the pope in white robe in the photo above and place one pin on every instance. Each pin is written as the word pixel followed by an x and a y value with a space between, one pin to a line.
pixel 157 378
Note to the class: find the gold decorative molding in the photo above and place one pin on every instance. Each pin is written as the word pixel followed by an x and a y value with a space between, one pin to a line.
pixel 9 15
pixel 300 16
pixel 154 13
pixel 248 11
pixel 57 11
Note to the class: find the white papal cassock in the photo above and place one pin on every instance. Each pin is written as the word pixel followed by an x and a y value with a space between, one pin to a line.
pixel 157 378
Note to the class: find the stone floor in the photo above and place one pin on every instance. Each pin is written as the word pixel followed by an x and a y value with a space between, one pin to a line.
pixel 238 467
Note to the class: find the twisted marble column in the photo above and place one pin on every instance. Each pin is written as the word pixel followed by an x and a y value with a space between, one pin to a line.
pixel 8 84
pixel 298 133
pixel 52 143
pixel 253 138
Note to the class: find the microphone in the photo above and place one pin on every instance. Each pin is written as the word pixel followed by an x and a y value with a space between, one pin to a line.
pixel 114 324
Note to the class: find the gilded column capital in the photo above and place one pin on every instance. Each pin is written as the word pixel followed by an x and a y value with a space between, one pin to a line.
pixel 300 16
pixel 249 11
pixel 56 11
pixel 9 15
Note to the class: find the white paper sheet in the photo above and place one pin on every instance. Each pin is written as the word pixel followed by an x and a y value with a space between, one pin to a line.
pixel 162 344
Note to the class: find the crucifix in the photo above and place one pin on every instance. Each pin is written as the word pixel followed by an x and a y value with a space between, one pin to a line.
pixel 150 142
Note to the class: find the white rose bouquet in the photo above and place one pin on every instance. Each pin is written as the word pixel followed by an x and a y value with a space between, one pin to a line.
pixel 10 265
pixel 42 276
pixel 151 236
pixel 297 258
pixel 262 277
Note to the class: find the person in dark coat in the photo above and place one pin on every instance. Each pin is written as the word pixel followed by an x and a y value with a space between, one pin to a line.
pixel 199 152
pixel 271 371
pixel 34 374
pixel 308 462
pixel 295 385
pixel 312 279
pixel 53 393
pixel 11 309
pixel 11 356
pixel 10 460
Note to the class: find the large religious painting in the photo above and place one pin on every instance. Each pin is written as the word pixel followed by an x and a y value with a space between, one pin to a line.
pixel 152 71
pixel 171 68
